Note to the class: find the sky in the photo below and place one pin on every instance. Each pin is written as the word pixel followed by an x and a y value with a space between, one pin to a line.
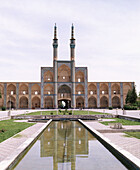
pixel 107 34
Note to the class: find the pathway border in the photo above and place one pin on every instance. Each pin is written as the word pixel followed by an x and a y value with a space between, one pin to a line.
pixel 125 157
pixel 10 161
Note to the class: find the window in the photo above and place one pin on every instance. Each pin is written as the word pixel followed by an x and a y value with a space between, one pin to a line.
pixel 49 92
pixel 63 78
pixel 79 80
pixel 91 92
pixel 79 92
pixel 24 92
pixel 49 79
pixel 103 92
pixel 62 95
pixel 36 92
pixel 12 92
pixel 114 92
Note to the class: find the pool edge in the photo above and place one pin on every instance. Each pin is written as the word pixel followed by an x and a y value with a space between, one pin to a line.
pixel 12 160
pixel 124 156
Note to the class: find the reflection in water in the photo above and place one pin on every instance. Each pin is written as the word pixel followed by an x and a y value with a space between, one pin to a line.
pixel 67 145
pixel 63 141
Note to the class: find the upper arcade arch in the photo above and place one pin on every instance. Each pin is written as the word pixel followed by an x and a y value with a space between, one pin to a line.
pixel 11 89
pixel 48 76
pixel 103 89
pixel 64 73
pixel 48 89
pixel 79 89
pixel 79 76
pixel 92 89
pixel 115 89
pixel 35 90
pixel 23 89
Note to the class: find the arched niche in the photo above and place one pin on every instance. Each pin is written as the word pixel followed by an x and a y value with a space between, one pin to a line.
pixel 35 102
pixel 48 102
pixel 11 89
pixel 92 102
pixel 92 89
pixel 79 76
pixel 64 92
pixel 23 102
pixel 48 89
pixel 116 102
pixel 64 73
pixel 23 89
pixel 103 89
pixel 104 102
pixel 35 89
pixel 126 88
pixel 79 89
pixel 11 103
pixel 48 76
pixel 115 89
pixel 79 102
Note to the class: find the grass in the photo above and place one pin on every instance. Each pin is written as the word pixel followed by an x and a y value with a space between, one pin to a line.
pixel 133 134
pixel 8 128
pixel 123 121
pixel 75 112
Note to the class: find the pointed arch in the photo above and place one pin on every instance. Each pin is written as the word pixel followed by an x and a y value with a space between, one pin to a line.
pixel 104 102
pixel 48 102
pixel 115 89
pixel 48 76
pixel 64 73
pixel 79 89
pixel 23 102
pixel 11 89
pixel 92 89
pixel 48 89
pixel 116 102
pixel 11 103
pixel 126 88
pixel 35 89
pixel 23 89
pixel 92 102
pixel 79 76
pixel 80 102
pixel 103 89
pixel 36 102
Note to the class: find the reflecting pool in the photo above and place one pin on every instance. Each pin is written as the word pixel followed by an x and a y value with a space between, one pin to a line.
pixel 67 145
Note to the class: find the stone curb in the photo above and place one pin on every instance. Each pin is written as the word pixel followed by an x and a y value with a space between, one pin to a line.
pixel 10 161
pixel 123 155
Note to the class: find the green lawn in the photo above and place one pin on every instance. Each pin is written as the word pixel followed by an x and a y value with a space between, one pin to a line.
pixel 9 128
pixel 123 121
pixel 133 134
pixel 75 112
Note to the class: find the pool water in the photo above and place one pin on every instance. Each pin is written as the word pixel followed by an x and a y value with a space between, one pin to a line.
pixel 67 145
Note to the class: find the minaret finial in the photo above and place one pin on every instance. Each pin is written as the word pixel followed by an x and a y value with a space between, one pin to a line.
pixel 55 32
pixel 72 32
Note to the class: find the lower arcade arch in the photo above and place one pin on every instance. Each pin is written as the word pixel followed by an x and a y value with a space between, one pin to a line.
pixel 48 102
pixel 92 103
pixel 11 104
pixel 80 102
pixel 23 102
pixel 36 102
pixel 104 102
pixel 116 102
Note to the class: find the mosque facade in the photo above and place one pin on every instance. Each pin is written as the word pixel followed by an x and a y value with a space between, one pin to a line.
pixel 64 85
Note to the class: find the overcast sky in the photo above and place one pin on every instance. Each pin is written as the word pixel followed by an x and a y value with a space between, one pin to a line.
pixel 107 36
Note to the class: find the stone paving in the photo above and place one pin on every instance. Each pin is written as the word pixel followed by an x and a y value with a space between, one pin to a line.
pixel 10 145
pixel 129 144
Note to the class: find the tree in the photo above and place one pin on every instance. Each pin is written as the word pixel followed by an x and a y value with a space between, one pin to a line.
pixel 131 96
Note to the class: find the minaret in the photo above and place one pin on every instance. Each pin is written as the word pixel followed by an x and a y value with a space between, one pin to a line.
pixel 72 55
pixel 55 43
pixel 72 44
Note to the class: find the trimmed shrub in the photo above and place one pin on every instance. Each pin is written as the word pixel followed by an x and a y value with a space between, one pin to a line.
pixel 127 107
pixel 110 108
pixel 3 108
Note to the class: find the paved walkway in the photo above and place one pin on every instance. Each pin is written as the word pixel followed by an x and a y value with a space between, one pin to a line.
pixel 10 145
pixel 130 144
